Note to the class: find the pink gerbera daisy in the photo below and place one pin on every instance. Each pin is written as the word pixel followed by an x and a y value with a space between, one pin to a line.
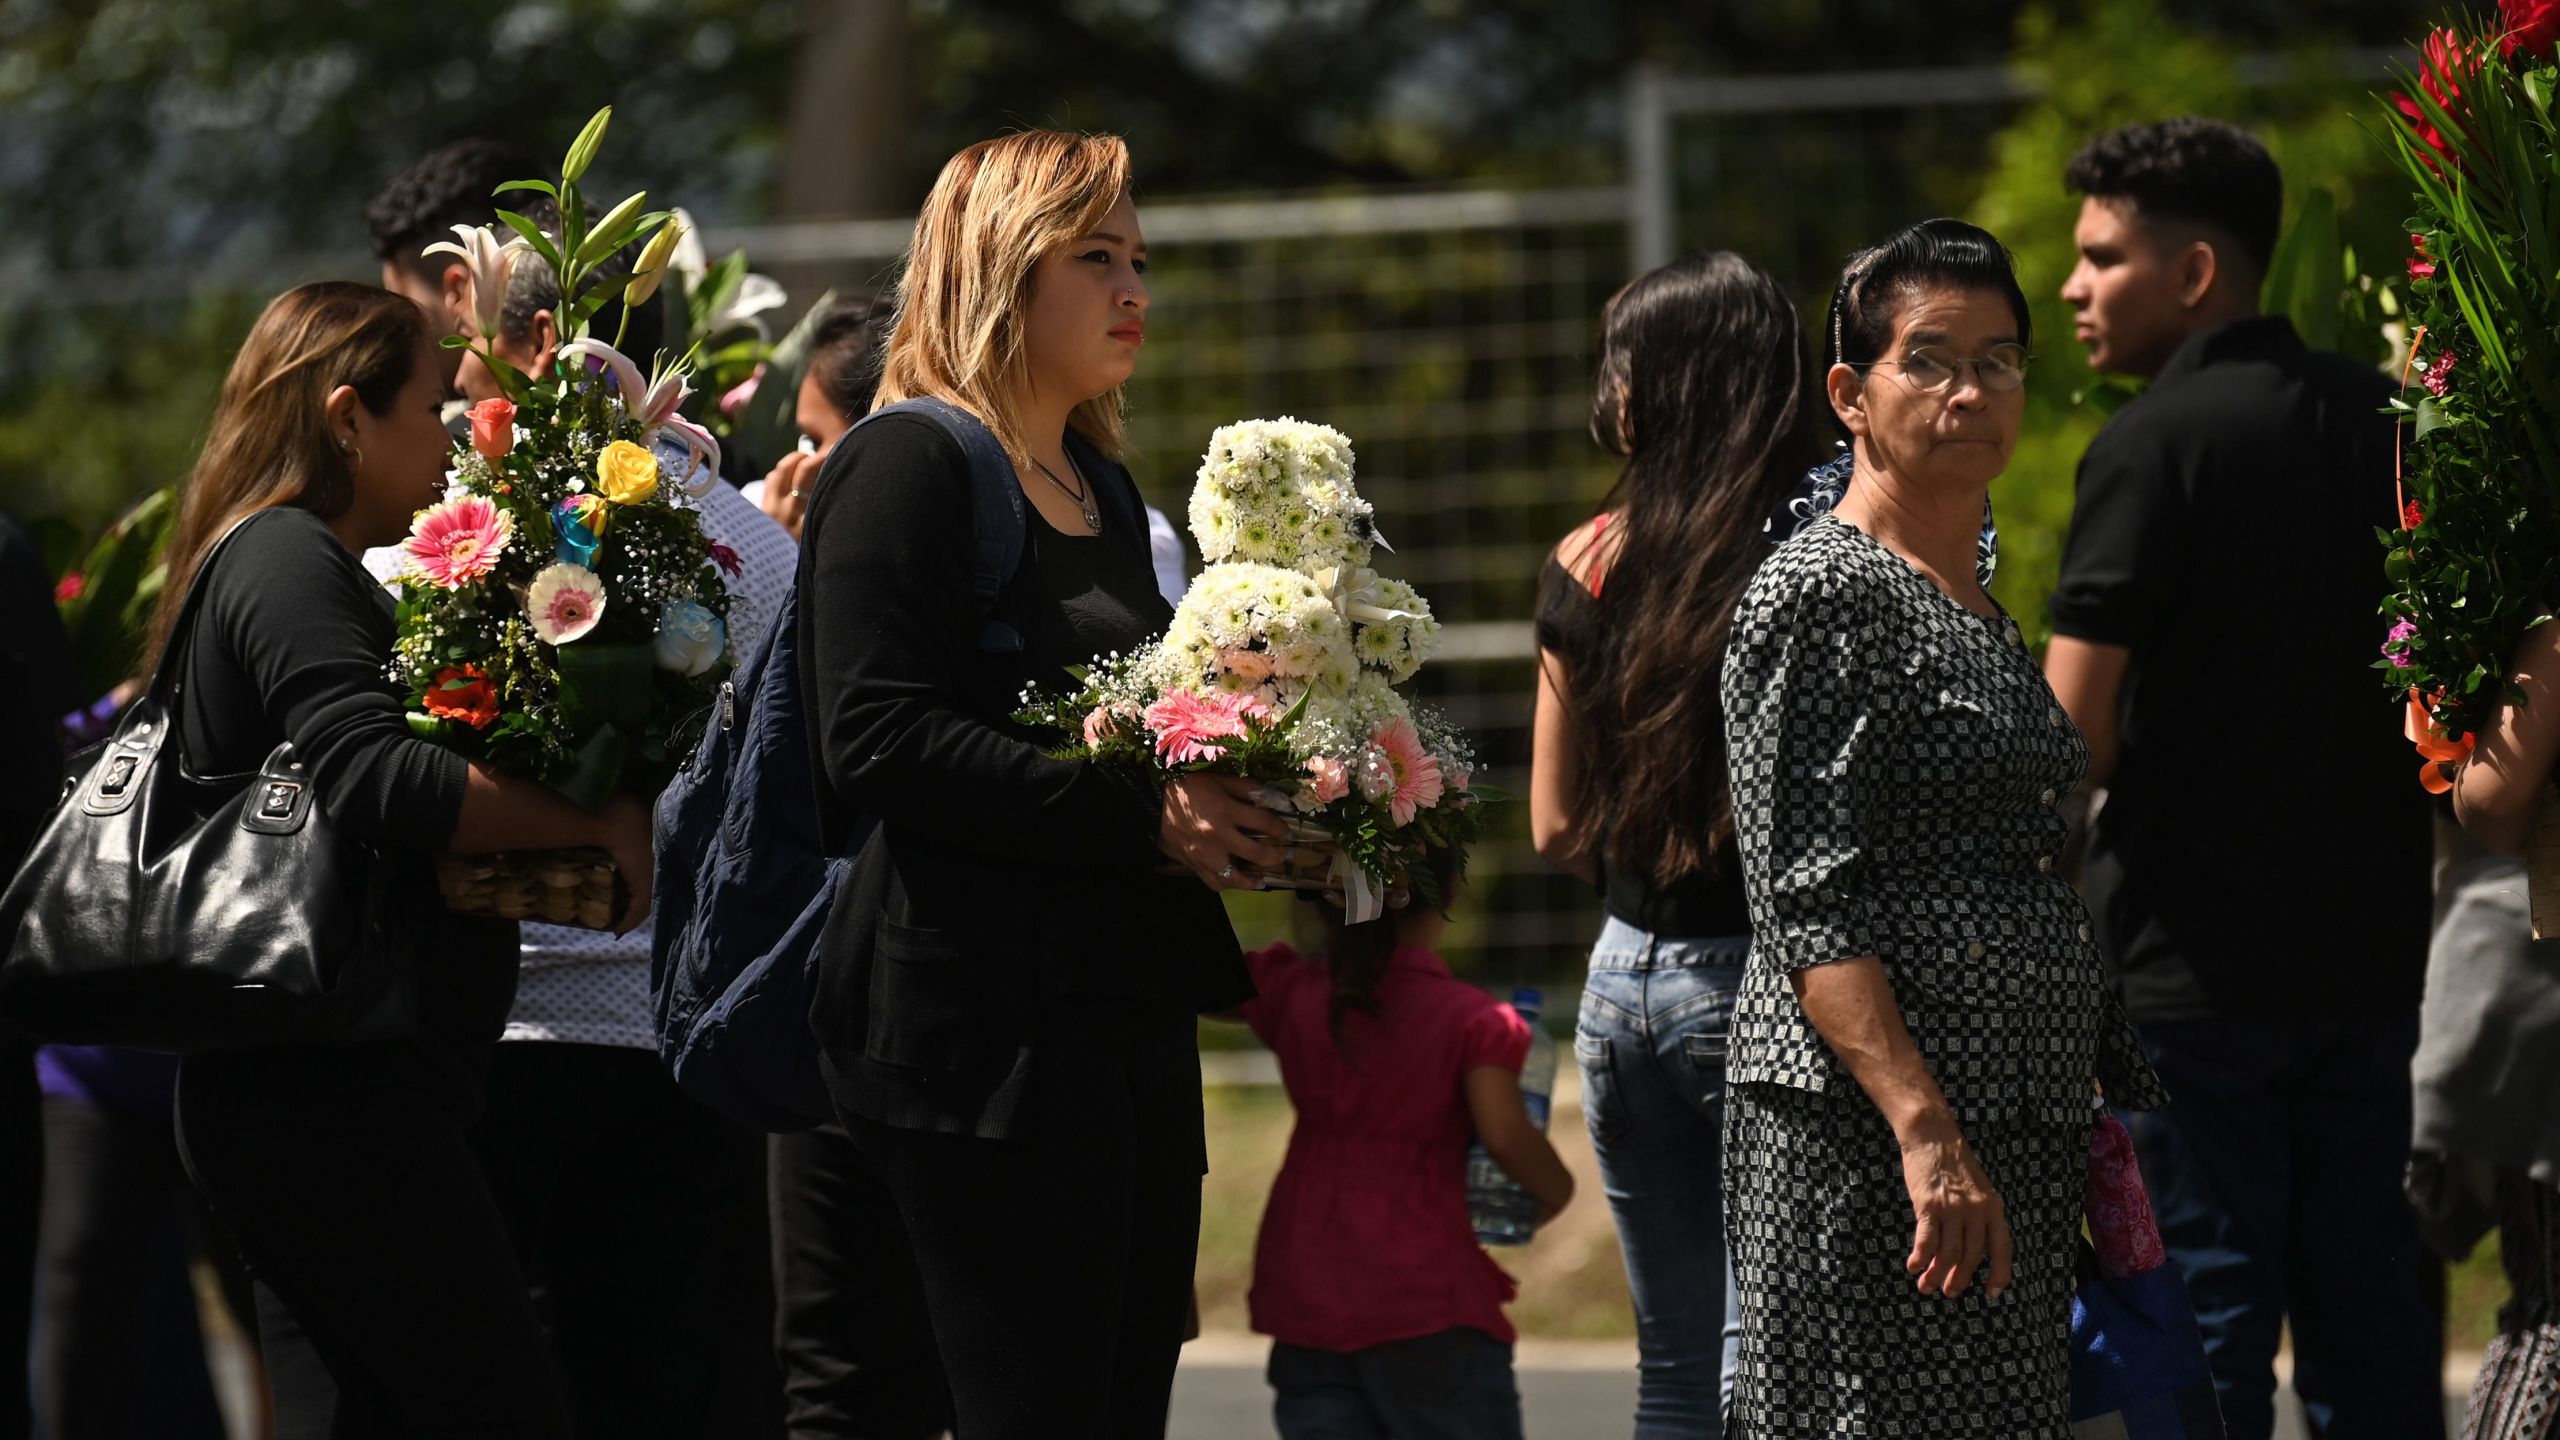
pixel 1187 727
pixel 1416 783
pixel 564 602
pixel 458 541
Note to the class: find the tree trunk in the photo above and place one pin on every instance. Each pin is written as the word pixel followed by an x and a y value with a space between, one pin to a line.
pixel 852 107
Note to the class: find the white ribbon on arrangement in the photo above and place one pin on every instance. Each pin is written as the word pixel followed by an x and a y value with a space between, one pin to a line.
pixel 1361 902
pixel 1355 593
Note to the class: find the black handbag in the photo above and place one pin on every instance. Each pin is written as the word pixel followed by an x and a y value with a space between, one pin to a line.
pixel 162 910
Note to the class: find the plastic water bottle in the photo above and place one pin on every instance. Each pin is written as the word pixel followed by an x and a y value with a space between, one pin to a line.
pixel 1499 1206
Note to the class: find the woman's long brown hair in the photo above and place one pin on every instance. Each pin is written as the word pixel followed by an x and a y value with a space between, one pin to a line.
pixel 269 443
pixel 1702 387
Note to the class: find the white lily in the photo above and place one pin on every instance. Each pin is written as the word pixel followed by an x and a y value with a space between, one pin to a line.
pixel 489 264
pixel 755 293
pixel 649 401
pixel 690 260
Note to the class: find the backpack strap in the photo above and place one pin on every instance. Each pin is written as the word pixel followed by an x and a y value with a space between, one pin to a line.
pixel 995 509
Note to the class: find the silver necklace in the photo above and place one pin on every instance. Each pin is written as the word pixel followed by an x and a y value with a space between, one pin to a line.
pixel 1082 494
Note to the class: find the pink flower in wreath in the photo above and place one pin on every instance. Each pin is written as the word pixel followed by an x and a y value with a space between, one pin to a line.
pixel 564 603
pixel 1187 727
pixel 1416 783
pixel 1098 725
pixel 727 559
pixel 2396 646
pixel 2439 376
pixel 1328 779
pixel 458 541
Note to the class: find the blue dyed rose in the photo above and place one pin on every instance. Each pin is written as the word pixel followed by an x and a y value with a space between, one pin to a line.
pixel 690 638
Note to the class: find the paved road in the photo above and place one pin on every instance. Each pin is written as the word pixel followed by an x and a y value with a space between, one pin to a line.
pixel 1219 1395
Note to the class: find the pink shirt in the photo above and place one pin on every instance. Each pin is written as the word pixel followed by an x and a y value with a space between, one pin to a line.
pixel 1366 1238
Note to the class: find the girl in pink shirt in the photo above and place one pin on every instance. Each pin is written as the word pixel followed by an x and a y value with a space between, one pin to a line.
pixel 1385 1314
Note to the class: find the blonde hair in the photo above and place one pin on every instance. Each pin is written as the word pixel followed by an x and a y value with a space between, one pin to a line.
pixel 997 208
pixel 269 444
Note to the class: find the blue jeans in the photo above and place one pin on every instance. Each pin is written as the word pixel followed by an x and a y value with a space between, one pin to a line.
pixel 1651 1043
pixel 1454 1385
pixel 2275 1173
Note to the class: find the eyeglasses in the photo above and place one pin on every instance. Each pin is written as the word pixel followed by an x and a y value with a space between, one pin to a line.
pixel 1930 369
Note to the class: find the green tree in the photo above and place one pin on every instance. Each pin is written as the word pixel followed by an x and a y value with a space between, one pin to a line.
pixel 2117 63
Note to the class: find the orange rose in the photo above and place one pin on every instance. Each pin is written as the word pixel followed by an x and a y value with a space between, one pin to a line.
pixel 463 692
pixel 493 428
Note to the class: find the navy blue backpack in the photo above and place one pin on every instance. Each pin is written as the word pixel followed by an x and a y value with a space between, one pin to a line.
pixel 744 879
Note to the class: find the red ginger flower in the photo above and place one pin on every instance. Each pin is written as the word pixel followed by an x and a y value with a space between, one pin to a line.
pixel 2444 65
pixel 2422 266
pixel 2532 27
pixel 2411 517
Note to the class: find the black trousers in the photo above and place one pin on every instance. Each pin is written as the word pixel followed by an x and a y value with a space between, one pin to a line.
pixel 638 1217
pixel 119 1355
pixel 21 1179
pixel 1057 1266
pixel 389 1302
pixel 850 1327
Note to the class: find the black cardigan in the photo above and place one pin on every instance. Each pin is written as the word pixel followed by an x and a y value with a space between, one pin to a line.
pixel 289 644
pixel 999 879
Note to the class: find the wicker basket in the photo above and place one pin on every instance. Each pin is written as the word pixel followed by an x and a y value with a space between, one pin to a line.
pixel 560 887
pixel 1311 850
pixel 2542 870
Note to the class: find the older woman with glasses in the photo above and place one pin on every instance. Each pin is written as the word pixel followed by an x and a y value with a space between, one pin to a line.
pixel 1923 1025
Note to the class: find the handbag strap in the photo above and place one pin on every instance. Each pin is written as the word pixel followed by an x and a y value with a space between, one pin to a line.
pixel 167 679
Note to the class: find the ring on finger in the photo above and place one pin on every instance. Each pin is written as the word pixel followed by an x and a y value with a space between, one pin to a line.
pixel 1227 871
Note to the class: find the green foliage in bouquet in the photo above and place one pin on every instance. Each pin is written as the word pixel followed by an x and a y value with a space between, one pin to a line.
pixel 562 614
pixel 2471 557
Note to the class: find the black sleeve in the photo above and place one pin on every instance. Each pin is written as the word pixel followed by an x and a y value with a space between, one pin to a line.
pixel 310 632
pixel 888 637
pixel 36 656
pixel 2125 560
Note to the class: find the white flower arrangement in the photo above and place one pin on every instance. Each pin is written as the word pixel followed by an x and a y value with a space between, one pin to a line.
pixel 1279 492
pixel 1281 665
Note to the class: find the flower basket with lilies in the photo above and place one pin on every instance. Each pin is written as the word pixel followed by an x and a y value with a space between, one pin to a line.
pixel 2475 550
pixel 1281 666
pixel 562 614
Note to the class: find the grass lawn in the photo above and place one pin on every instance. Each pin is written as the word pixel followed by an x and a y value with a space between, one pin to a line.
pixel 1572 1283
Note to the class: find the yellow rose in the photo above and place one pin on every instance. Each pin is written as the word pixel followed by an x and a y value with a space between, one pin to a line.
pixel 626 474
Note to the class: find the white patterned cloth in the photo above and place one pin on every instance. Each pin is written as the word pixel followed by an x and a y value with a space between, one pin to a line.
pixel 588 987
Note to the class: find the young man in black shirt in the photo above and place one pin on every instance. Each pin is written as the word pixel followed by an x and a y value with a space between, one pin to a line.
pixel 2260 864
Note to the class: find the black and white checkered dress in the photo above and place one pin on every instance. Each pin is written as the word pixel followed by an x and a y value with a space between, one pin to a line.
pixel 1897 767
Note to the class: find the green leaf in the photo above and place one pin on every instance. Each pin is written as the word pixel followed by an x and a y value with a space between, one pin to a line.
pixel 767 428
pixel 2431 418
pixel 582 151
pixel 595 771
pixel 545 186
pixel 2302 277
pixel 533 236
